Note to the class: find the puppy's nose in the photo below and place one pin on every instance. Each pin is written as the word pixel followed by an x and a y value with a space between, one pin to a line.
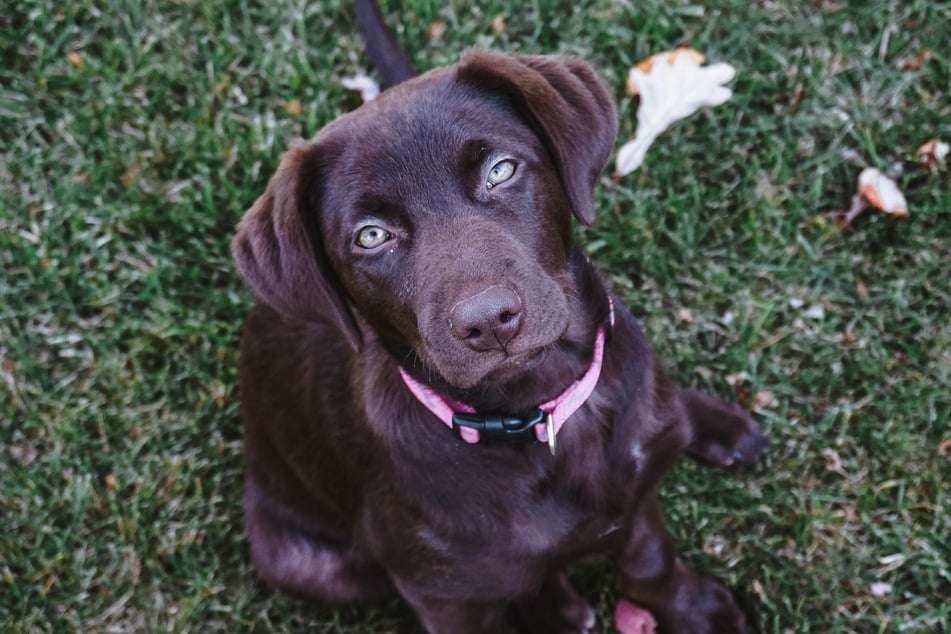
pixel 488 320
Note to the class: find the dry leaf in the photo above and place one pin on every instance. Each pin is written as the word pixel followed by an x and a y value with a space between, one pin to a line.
pixel 368 89
pixel 861 290
pixel 764 399
pixel 24 454
pixel 736 378
pixel 219 393
pixel 875 190
pixel 833 461
pixel 436 29
pixel 880 589
pixel 647 65
pixel 932 153
pixel 293 107
pixel 848 339
pixel 498 24
pixel 945 447
pixel 915 62
pixel 796 97
pixel 816 311
pixel 76 59
pixel 889 563
pixel 672 86
pixel 882 192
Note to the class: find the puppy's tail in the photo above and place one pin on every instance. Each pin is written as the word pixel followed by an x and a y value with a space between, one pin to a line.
pixel 383 51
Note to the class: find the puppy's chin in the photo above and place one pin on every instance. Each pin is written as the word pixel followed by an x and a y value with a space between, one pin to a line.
pixel 499 370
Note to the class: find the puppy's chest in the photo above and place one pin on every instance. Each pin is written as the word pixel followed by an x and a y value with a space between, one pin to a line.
pixel 554 507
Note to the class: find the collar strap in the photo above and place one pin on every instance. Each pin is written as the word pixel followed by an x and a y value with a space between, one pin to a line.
pixel 545 421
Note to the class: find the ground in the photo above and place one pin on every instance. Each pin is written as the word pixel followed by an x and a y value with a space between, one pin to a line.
pixel 134 135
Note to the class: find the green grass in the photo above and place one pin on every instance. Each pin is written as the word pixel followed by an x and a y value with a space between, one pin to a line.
pixel 124 170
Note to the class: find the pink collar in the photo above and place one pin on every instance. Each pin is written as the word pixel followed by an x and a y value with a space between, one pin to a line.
pixel 556 411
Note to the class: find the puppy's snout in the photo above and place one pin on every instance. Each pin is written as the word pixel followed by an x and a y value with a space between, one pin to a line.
pixel 487 320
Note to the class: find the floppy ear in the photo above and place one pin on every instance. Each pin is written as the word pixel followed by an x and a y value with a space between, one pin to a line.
pixel 567 105
pixel 278 250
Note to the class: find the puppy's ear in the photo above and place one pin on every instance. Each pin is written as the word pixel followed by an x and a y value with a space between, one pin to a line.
pixel 278 250
pixel 565 102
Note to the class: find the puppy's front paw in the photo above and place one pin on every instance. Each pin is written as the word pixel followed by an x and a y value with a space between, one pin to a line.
pixel 709 609
pixel 558 609
pixel 724 433
pixel 701 606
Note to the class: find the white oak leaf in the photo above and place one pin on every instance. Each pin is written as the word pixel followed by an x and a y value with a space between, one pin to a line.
pixel 672 86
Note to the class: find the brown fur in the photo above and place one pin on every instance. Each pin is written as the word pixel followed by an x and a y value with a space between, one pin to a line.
pixel 354 490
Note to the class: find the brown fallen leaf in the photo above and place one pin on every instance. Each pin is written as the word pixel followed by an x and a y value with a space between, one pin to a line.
pixel 76 59
pixel 436 29
pixel 915 62
pixel 24 454
pixel 848 339
pixel 796 97
pixel 764 399
pixel 498 24
pixel 882 192
pixel 742 395
pixel 219 393
pixel 293 107
pixel 861 289
pixel 833 461
pixel 945 447
pixel 875 189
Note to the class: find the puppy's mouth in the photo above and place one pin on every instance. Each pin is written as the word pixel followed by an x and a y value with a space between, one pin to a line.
pixel 515 365
pixel 469 370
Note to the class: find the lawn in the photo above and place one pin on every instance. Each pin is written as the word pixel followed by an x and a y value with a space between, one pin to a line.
pixel 133 135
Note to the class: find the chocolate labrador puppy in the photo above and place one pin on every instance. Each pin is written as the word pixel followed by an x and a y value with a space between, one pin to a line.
pixel 441 398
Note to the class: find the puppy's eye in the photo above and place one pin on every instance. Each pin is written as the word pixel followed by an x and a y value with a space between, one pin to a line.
pixel 372 236
pixel 500 172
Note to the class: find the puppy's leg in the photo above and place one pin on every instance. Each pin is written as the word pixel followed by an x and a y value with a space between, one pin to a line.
pixel 681 600
pixel 557 609
pixel 440 616
pixel 723 432
pixel 304 564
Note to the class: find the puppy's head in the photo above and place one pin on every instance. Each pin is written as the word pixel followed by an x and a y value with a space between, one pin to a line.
pixel 438 215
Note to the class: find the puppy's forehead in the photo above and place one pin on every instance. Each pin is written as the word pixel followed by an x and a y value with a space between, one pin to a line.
pixel 419 129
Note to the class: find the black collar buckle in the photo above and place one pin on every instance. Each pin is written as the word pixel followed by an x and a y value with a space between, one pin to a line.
pixel 500 428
